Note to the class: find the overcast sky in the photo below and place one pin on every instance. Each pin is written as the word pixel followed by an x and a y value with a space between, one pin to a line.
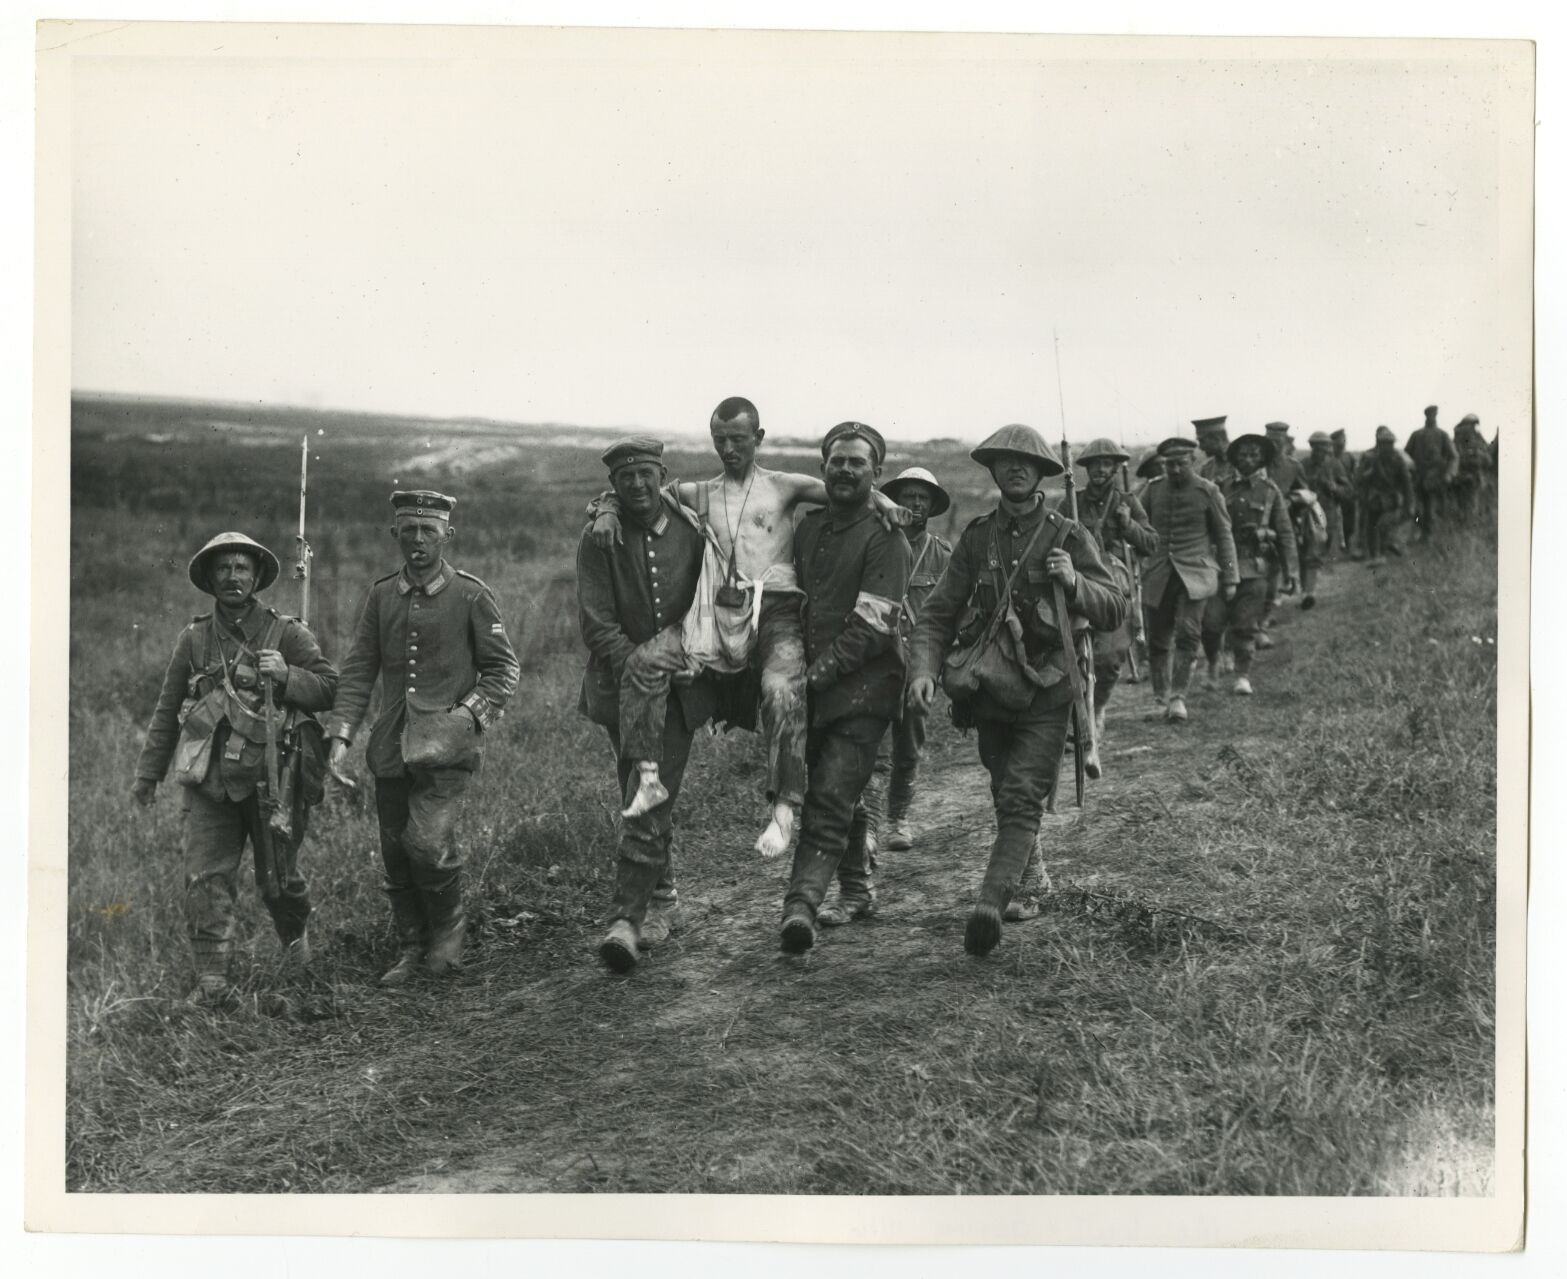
pixel 615 228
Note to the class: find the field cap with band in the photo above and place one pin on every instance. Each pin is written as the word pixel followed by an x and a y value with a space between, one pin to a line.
pixel 1017 438
pixel 1431 410
pixel 1320 439
pixel 632 450
pixel 940 498
pixel 423 504
pixel 856 431
pixel 1208 425
pixel 1269 451
pixel 1385 435
pixel 266 572
pixel 1277 428
pixel 1102 448
pixel 1177 446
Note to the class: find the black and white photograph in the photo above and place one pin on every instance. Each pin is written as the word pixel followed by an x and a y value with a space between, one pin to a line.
pixel 818 615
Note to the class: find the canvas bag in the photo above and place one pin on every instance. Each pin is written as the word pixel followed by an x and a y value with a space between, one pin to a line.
pixel 996 664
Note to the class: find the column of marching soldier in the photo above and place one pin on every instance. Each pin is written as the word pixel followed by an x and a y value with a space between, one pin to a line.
pixel 717 601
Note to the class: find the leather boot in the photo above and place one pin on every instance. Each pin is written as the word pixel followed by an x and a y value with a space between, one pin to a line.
pixel 448 927
pixel 408 920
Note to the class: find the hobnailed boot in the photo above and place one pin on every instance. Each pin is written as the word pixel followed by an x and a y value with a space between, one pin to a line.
pixel 900 835
pixel 1175 710
pixel 618 950
pixel 798 933
pixel 1242 686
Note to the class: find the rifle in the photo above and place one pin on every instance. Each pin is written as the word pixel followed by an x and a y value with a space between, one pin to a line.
pixel 1080 649
pixel 1135 569
pixel 283 781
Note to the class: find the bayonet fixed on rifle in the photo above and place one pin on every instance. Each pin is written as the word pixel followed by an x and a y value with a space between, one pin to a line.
pixel 1079 651
pixel 1134 567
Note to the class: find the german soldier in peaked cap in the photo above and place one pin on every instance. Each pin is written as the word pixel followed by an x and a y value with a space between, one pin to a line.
pixel 210 722
pixel 433 635
pixel 1011 558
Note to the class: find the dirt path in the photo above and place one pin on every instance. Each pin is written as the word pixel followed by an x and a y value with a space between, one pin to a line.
pixel 709 1066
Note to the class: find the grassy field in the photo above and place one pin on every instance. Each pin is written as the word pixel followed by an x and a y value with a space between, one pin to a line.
pixel 1266 967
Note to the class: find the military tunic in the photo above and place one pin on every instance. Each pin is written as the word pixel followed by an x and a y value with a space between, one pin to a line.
pixel 1326 477
pixel 222 811
pixel 855 574
pixel 1115 519
pixel 1195 559
pixel 440 650
pixel 628 596
pixel 1264 544
pixel 1021 750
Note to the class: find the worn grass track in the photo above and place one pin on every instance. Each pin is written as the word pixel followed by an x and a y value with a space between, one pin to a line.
pixel 1266 967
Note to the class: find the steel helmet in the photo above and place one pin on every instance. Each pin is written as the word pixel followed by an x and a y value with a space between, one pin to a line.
pixel 266 574
pixel 1102 448
pixel 940 499
pixel 1018 438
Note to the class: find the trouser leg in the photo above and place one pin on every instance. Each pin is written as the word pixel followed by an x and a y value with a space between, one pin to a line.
pixel 840 757
pixel 290 909
pixel 1107 674
pixel 1188 637
pixel 780 654
pixel 402 892
pixel 644 695
pixel 642 858
pixel 430 842
pixel 1245 615
pixel 214 844
pixel 1023 759
pixel 1160 625
pixel 907 747
pixel 1213 623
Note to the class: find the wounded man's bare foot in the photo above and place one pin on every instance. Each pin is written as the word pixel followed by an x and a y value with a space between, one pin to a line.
pixel 775 839
pixel 650 792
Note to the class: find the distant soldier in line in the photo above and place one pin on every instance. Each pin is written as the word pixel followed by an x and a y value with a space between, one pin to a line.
pixel 1350 539
pixel 855 573
pixel 626 595
pixel 1194 560
pixel 1474 466
pixel 1289 478
pixel 434 637
pixel 1214 441
pixel 1036 548
pixel 1326 477
pixel 891 792
pixel 1115 519
pixel 1436 464
pixel 750 511
pixel 210 722
pixel 1384 484
pixel 1264 537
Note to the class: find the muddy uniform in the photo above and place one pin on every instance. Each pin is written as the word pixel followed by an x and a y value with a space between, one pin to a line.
pixel 1021 750
pixel 626 596
pixel 1264 544
pixel 1115 519
pixel 1194 560
pixel 854 573
pixel 440 650
pixel 222 809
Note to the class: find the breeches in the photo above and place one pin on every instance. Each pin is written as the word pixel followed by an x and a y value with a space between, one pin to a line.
pixel 1023 758
pixel 645 871
pixel 216 832
pixel 840 758
pixel 780 656
pixel 417 813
